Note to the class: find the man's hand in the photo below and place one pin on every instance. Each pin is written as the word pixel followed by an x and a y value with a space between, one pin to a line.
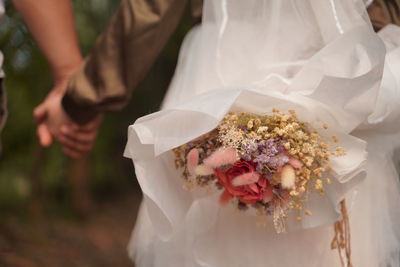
pixel 76 140
pixel 54 124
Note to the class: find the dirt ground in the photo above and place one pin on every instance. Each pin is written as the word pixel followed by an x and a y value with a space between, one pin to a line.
pixel 99 240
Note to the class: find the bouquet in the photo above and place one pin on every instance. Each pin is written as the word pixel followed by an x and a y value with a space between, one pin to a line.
pixel 271 155
pixel 267 162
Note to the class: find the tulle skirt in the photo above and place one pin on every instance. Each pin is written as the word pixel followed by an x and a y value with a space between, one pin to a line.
pixel 214 236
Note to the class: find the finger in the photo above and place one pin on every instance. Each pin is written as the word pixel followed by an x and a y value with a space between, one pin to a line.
pixel 40 113
pixel 73 153
pixel 82 137
pixel 44 135
pixel 92 125
pixel 85 128
pixel 74 145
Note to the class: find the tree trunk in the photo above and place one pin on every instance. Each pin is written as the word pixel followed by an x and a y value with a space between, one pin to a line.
pixel 78 177
pixel 35 207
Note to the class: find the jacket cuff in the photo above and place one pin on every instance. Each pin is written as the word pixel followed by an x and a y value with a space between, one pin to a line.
pixel 79 113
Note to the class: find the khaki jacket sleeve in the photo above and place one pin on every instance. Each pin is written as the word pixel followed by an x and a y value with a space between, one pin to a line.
pixel 136 35
pixel 383 12
pixel 121 57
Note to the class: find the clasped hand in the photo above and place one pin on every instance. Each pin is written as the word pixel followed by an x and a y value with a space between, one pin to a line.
pixel 53 124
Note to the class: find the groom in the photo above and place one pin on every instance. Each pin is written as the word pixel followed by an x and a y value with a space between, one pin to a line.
pixel 119 61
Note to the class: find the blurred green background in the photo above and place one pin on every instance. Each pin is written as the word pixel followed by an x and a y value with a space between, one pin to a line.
pixel 28 81
pixel 38 183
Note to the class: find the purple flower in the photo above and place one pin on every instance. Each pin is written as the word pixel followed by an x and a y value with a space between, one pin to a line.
pixel 246 157
pixel 266 153
pixel 263 158
pixel 252 148
pixel 278 161
pixel 269 147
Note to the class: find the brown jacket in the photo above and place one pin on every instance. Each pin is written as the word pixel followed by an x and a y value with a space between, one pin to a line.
pixel 134 38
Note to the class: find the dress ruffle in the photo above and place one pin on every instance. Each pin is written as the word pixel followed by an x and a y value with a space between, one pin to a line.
pixel 319 58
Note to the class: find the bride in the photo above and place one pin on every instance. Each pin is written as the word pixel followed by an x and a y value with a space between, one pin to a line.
pixel 257 51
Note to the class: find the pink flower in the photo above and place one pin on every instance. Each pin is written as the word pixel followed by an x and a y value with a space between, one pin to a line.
pixel 297 164
pixel 192 160
pixel 249 193
pixel 222 156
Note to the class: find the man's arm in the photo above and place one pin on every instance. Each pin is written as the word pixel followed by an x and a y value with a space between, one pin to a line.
pixel 383 12
pixel 119 60
pixel 121 57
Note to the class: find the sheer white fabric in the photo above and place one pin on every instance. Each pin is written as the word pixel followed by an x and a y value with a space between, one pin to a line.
pixel 321 58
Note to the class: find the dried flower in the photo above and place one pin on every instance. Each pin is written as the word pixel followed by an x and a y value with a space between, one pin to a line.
pixel 221 157
pixel 192 160
pixel 203 170
pixel 268 162
pixel 288 177
pixel 250 193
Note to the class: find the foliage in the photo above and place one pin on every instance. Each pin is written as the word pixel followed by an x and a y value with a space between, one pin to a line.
pixel 28 81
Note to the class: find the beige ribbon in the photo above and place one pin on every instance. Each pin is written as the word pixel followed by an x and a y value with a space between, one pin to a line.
pixel 341 240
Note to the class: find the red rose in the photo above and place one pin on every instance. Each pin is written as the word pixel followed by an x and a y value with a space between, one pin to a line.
pixel 249 193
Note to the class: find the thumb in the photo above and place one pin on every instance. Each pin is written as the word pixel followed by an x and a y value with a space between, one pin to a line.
pixel 40 113
pixel 44 135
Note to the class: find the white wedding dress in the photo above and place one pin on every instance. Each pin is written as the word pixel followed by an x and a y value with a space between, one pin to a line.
pixel 320 56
